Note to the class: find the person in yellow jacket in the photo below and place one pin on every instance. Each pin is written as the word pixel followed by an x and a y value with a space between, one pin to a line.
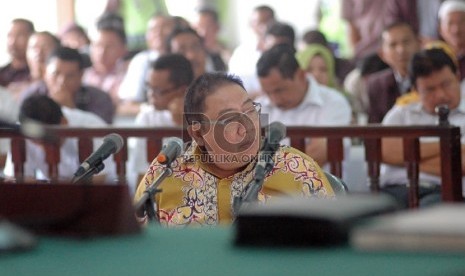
pixel 412 96
pixel 217 166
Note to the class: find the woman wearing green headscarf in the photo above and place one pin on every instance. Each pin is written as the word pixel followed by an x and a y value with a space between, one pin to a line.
pixel 318 61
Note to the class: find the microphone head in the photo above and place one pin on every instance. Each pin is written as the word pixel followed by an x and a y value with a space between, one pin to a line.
pixel 172 149
pixel 276 132
pixel 115 139
pixel 36 130
pixel 442 111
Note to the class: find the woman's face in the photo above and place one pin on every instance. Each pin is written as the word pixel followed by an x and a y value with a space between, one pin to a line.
pixel 318 68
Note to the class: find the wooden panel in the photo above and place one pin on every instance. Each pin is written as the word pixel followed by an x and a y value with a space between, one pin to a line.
pixel 371 136
pixel 412 163
pixel 373 159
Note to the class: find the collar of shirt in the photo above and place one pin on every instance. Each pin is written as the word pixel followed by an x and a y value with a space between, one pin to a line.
pixel 418 107
pixel 152 55
pixel 312 96
pixel 209 67
pixel 402 82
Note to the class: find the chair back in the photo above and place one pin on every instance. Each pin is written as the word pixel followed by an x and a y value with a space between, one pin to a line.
pixel 339 187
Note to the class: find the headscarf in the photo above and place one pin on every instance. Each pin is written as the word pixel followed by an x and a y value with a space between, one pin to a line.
pixel 306 55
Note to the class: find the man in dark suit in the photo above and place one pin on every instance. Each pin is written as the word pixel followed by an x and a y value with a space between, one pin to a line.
pixel 399 43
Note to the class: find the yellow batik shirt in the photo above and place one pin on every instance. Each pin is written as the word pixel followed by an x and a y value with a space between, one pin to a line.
pixel 194 196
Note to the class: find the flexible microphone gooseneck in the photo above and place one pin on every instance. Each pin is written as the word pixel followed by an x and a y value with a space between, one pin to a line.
pixel 276 132
pixel 172 149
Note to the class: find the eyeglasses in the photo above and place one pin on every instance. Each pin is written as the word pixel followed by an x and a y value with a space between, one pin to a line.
pixel 238 117
pixel 159 91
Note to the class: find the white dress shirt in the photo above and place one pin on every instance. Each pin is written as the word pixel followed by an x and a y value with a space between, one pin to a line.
pixel 414 114
pixel 137 161
pixel 133 85
pixel 35 165
pixel 321 106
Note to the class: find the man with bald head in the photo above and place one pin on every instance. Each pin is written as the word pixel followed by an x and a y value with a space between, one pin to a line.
pixel 452 29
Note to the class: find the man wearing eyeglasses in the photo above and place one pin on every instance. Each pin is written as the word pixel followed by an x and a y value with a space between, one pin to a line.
pixel 166 85
pixel 216 167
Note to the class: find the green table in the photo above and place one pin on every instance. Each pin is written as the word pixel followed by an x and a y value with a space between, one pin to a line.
pixel 210 251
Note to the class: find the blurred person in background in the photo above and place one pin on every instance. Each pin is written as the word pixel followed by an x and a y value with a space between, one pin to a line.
pixel 74 36
pixel 399 44
pixel 187 42
pixel 45 110
pixel 278 33
pixel 41 45
pixel 296 99
pixel 16 73
pixel 342 66
pixel 132 88
pixel 167 83
pixel 63 82
pixel 452 29
pixel 107 52
pixel 207 25
pixel 318 62
pixel 436 79
pixel 245 56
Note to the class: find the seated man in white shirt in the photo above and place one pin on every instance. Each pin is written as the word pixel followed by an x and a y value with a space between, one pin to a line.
pixel 167 82
pixel 436 78
pixel 296 99
pixel 43 109
pixel 131 90
pixel 246 54
pixel 187 42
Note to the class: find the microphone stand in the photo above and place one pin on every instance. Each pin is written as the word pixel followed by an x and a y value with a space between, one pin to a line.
pixel 146 202
pixel 250 194
pixel 88 174
pixel 443 114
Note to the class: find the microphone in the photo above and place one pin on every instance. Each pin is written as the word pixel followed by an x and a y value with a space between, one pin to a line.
pixel 30 129
pixel 276 131
pixel 112 143
pixel 443 111
pixel 171 150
